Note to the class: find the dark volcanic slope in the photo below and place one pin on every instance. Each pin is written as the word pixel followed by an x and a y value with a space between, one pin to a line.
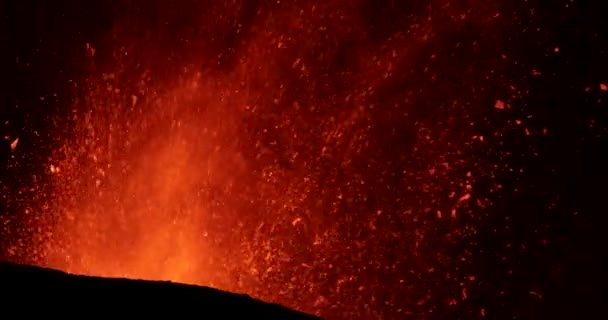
pixel 60 294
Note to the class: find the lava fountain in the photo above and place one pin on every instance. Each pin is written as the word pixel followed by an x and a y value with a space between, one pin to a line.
pixel 291 152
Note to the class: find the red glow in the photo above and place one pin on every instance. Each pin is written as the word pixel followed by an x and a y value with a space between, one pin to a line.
pixel 285 164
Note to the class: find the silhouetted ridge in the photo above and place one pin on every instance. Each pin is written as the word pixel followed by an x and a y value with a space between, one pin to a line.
pixel 26 289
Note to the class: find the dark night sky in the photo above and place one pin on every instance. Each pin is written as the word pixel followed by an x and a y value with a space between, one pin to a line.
pixel 530 243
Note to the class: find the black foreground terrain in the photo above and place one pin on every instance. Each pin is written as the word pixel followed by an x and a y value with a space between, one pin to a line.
pixel 27 289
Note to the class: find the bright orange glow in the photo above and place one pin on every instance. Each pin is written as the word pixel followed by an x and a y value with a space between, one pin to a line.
pixel 134 202
pixel 268 166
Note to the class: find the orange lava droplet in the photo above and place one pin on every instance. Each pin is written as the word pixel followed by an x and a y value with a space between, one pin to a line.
pixel 499 105
pixel 14 144
pixel 465 197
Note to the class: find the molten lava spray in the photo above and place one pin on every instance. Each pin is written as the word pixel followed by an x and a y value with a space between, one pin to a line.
pixel 311 153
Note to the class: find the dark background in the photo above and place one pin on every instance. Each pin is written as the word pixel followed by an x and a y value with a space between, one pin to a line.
pixel 538 255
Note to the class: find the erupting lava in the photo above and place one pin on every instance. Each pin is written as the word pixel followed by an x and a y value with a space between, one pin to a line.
pixel 138 181
pixel 364 159
pixel 292 152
